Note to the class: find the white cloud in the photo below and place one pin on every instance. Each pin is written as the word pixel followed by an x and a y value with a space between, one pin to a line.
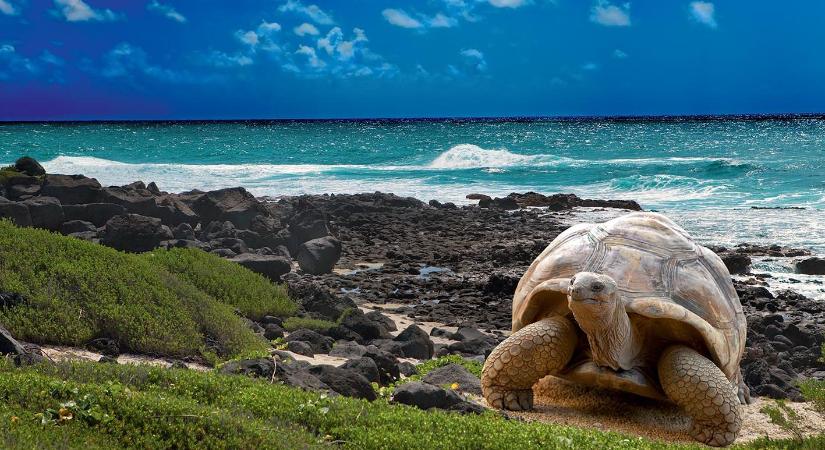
pixel 474 59
pixel 221 59
pixel 165 10
pixel 315 13
pixel 610 15
pixel 508 3
pixel 704 13
pixel 312 57
pixel 131 62
pixel 261 38
pixel 441 21
pixel 306 29
pixel 79 11
pixel 7 8
pixel 618 54
pixel 400 18
pixel 590 66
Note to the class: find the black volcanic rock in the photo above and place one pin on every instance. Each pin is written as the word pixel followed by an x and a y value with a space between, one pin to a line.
pixel 134 233
pixel 29 166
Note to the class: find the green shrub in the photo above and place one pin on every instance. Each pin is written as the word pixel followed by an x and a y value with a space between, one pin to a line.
pixel 254 295
pixel 150 407
pixel 294 323
pixel 77 291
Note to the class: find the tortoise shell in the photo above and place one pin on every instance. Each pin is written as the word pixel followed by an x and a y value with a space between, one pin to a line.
pixel 660 271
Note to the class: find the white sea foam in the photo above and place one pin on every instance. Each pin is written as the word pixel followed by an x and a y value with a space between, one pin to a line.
pixel 469 156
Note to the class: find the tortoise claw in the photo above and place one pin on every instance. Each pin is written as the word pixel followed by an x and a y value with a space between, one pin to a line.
pixel 512 400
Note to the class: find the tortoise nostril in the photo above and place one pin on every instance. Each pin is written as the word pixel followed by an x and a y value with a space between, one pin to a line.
pixel 597 286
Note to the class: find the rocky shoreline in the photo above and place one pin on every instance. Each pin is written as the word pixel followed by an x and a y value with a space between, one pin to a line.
pixel 430 262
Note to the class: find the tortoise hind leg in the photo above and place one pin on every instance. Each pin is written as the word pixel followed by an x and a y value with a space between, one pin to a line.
pixel 528 355
pixel 696 384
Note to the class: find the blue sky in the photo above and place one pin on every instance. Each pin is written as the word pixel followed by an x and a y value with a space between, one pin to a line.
pixel 166 59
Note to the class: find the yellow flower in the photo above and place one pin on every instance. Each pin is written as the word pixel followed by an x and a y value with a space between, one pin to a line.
pixel 14 419
pixel 65 414
pixel 454 386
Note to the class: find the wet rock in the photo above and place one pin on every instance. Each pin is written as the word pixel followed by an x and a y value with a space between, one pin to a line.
pixel 318 256
pixel 348 383
pixel 506 203
pixel 272 267
pixel 415 343
pixel 478 197
pixel 134 233
pixel 29 166
pixel 811 266
pixel 560 202
pixel 454 374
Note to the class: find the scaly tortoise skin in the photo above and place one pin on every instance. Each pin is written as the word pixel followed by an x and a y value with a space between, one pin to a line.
pixel 632 304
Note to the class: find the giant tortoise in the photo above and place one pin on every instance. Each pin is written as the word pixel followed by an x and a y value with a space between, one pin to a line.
pixel 632 304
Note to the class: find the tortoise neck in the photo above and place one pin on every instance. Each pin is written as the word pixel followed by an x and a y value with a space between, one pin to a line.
pixel 611 336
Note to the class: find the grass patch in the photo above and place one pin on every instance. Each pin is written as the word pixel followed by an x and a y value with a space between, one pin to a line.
pixel 319 325
pixel 781 414
pixel 150 407
pixel 474 367
pixel 77 291
pixel 228 282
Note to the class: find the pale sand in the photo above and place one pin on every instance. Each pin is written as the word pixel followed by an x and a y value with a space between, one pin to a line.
pixel 560 402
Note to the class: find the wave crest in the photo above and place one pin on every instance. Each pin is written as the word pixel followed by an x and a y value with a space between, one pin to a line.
pixel 469 156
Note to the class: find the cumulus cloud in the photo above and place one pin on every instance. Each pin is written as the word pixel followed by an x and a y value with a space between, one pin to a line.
pixel 591 66
pixel 312 57
pixel 609 15
pixel 315 13
pixel 400 18
pixel 403 19
pixel 8 8
pixel 508 3
pixel 619 54
pixel 306 29
pixel 704 13
pixel 166 11
pixel 79 11
pixel 262 37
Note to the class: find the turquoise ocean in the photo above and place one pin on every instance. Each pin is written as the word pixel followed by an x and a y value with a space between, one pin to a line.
pixel 708 173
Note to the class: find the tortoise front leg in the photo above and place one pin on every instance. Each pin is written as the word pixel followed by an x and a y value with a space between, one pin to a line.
pixel 696 384
pixel 528 355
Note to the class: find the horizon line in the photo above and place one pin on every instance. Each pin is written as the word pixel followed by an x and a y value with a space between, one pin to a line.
pixel 513 118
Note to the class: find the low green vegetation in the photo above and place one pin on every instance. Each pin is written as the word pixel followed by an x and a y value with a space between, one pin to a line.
pixel 474 367
pixel 9 172
pixel 294 323
pixel 226 281
pixel 107 405
pixel 783 415
pixel 77 291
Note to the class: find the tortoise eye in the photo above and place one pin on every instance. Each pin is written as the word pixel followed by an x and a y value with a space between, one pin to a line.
pixel 573 280
pixel 597 286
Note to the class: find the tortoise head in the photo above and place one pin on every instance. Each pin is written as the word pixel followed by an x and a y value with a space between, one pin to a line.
pixel 592 290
